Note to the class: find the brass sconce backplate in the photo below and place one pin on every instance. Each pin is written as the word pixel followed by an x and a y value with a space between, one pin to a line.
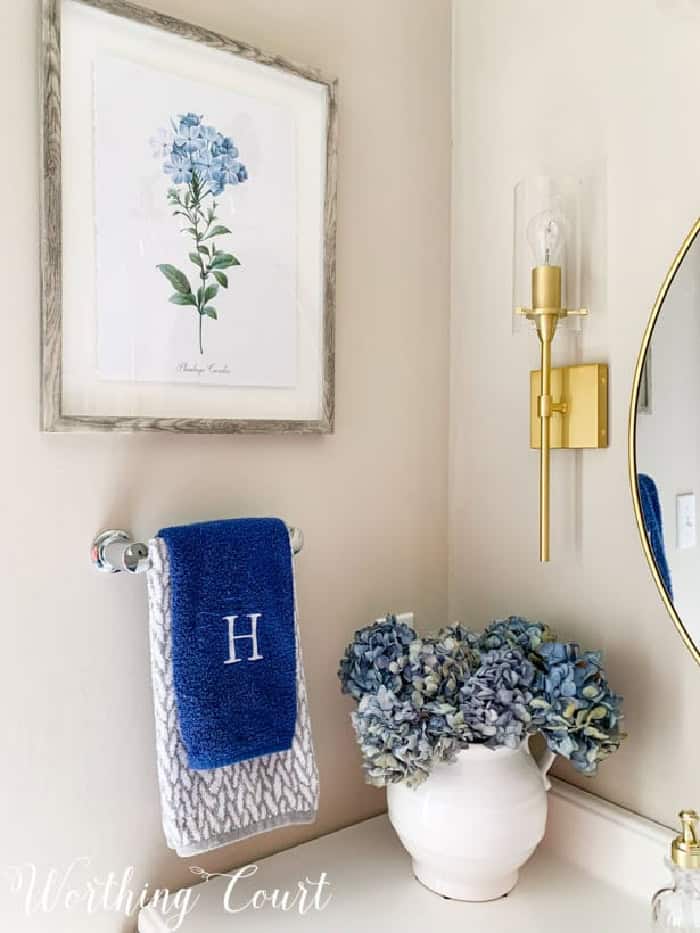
pixel 580 408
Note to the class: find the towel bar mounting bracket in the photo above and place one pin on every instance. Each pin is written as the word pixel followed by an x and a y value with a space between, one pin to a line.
pixel 115 550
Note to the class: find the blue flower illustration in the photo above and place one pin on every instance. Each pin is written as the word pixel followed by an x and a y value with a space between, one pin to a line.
pixel 199 162
pixel 180 169
pixel 190 119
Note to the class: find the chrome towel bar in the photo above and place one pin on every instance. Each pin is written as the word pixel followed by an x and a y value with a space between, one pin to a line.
pixel 115 550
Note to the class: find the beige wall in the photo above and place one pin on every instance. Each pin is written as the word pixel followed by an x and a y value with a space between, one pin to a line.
pixel 608 90
pixel 78 774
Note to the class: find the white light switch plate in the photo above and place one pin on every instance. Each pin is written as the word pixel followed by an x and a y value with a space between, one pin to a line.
pixel 401 617
pixel 685 520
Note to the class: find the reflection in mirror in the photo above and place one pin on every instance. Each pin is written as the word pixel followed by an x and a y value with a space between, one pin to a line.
pixel 667 434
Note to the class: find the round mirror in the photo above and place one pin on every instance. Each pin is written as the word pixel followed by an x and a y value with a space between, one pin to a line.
pixel 665 441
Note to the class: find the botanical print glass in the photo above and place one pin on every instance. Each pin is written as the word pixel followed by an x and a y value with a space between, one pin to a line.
pixel 195 231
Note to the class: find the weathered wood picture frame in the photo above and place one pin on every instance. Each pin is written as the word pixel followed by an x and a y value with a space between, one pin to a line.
pixel 149 402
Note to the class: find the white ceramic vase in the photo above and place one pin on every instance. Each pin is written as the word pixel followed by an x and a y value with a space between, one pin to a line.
pixel 472 824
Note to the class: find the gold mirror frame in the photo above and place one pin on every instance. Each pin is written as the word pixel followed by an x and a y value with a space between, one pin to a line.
pixel 632 443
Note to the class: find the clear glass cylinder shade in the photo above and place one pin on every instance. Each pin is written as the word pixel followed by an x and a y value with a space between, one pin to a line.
pixel 547 231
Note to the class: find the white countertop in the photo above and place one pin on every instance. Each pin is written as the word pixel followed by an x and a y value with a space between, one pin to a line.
pixel 372 888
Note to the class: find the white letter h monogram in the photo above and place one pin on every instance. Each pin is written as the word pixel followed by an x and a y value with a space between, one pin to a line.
pixel 255 656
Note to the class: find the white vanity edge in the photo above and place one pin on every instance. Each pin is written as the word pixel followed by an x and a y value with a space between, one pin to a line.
pixel 607 843
pixel 614 845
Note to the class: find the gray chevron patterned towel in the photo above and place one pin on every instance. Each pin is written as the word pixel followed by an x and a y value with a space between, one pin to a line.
pixel 204 810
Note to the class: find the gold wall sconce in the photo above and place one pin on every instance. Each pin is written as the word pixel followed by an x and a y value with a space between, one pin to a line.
pixel 568 405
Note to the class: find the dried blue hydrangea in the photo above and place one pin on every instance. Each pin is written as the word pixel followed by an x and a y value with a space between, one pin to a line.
pixel 495 700
pixel 400 743
pixel 575 710
pixel 377 657
pixel 515 632
pixel 439 665
pixel 457 648
pixel 421 700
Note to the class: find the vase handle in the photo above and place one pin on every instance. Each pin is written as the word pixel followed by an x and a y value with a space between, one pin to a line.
pixel 544 764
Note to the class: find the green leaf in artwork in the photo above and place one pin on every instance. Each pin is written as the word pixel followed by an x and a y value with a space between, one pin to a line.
pixel 204 250
pixel 178 299
pixel 210 312
pixel 224 261
pixel 177 279
pixel 218 230
pixel 210 292
pixel 195 258
pixel 221 278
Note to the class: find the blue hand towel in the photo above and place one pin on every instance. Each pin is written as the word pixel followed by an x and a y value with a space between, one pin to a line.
pixel 234 644
pixel 651 513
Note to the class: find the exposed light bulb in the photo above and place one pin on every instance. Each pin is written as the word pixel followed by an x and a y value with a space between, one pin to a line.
pixel 546 233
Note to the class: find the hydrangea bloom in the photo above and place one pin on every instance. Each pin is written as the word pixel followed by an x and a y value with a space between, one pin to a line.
pixel 516 633
pixel 460 645
pixel 378 656
pixel 495 700
pixel 399 742
pixel 439 665
pixel 575 709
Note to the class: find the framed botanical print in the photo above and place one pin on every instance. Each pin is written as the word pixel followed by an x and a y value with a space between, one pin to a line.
pixel 188 237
